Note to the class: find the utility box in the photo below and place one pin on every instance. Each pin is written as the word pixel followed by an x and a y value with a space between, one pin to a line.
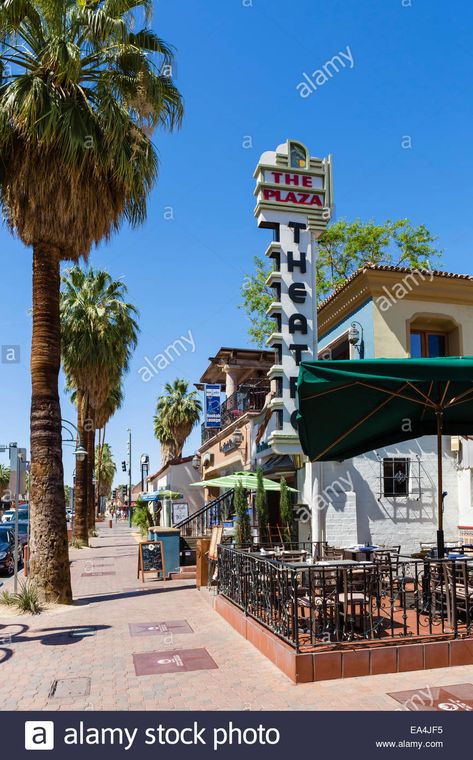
pixel 170 538
pixel 202 562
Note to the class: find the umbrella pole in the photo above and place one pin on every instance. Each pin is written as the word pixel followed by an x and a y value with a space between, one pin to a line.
pixel 440 532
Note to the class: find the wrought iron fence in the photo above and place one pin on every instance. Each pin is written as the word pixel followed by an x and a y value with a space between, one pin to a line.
pixel 312 605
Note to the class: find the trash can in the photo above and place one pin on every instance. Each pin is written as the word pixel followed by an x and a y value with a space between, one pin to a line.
pixel 170 538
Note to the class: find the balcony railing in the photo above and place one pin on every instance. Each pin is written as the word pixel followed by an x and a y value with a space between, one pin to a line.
pixel 249 397
pixel 311 606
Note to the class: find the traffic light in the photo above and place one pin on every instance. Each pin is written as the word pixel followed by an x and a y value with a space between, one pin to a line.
pixel 124 466
pixel 114 494
pixel 125 491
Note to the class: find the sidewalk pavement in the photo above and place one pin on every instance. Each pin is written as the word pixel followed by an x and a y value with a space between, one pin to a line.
pixel 36 651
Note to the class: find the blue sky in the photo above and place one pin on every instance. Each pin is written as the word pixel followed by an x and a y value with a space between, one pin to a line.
pixel 238 67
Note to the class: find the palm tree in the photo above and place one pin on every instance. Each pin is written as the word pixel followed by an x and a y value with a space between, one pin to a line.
pixel 81 90
pixel 105 469
pixel 99 333
pixel 177 412
pixel 4 478
pixel 106 411
pixel 165 438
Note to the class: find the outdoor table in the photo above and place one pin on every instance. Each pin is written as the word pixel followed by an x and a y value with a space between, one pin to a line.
pixel 358 552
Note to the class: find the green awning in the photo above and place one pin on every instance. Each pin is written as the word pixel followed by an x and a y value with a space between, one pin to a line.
pixel 247 480
pixel 349 407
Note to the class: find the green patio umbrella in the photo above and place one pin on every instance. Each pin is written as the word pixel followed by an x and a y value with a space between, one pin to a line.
pixel 349 407
pixel 247 479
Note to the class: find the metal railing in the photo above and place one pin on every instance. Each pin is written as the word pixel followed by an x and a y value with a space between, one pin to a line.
pixel 250 397
pixel 310 605
pixel 201 522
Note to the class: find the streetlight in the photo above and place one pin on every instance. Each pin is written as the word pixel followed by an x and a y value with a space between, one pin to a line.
pixel 196 459
pixel 80 452
pixel 144 463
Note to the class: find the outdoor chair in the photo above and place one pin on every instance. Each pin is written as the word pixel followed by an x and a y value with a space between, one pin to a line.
pixel 355 601
pixel 331 553
pixel 459 589
pixel 319 601
pixel 392 581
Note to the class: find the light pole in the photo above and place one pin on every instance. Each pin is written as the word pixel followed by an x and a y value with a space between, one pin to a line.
pixel 129 478
pixel 144 462
pixel 80 453
pixel 18 466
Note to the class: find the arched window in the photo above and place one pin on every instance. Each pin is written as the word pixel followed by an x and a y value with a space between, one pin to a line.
pixel 297 156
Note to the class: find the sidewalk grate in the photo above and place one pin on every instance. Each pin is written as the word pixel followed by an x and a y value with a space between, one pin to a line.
pixel 173 661
pixel 70 687
pixel 155 629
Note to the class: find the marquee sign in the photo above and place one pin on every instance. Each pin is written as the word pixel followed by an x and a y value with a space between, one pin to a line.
pixel 294 199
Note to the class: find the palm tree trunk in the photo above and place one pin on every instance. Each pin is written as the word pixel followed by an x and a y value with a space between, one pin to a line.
pixel 49 556
pixel 81 517
pixel 90 438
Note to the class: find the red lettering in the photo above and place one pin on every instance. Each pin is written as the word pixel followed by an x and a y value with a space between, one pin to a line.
pixel 291 198
pixel 277 177
pixel 306 181
pixel 270 194
pixel 316 201
pixel 292 179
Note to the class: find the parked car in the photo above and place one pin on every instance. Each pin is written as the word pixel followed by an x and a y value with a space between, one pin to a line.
pixel 8 515
pixel 7 550
pixel 23 526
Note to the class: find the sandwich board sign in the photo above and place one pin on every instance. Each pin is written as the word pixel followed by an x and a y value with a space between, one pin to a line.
pixel 151 559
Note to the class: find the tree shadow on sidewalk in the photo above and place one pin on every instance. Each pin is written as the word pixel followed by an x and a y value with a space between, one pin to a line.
pixel 113 596
pixel 60 636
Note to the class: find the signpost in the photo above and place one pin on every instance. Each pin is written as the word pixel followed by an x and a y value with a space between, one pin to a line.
pixel 151 559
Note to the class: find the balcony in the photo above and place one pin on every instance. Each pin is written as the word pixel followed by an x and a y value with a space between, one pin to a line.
pixel 249 397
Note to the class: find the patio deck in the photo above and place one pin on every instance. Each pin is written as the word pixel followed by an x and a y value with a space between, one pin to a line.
pixel 349 607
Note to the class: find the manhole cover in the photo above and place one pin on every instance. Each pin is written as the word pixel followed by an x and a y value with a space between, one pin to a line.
pixel 69 687
pixel 156 629
pixel 175 661
pixel 85 631
pixel 456 698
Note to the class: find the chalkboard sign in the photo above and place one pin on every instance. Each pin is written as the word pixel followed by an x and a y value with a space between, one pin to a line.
pixel 150 559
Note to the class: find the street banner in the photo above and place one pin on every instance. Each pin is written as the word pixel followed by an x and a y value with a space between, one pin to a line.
pixel 212 406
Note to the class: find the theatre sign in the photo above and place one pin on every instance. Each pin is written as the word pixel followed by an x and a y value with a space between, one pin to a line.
pixel 294 199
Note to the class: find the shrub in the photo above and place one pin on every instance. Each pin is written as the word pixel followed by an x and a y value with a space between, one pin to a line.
pixel 25 600
pixel 240 505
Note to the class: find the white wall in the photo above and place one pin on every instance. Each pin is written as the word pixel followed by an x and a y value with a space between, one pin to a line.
pixel 349 508
pixel 177 477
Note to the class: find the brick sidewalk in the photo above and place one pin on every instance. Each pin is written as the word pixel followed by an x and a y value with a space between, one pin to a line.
pixel 42 650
